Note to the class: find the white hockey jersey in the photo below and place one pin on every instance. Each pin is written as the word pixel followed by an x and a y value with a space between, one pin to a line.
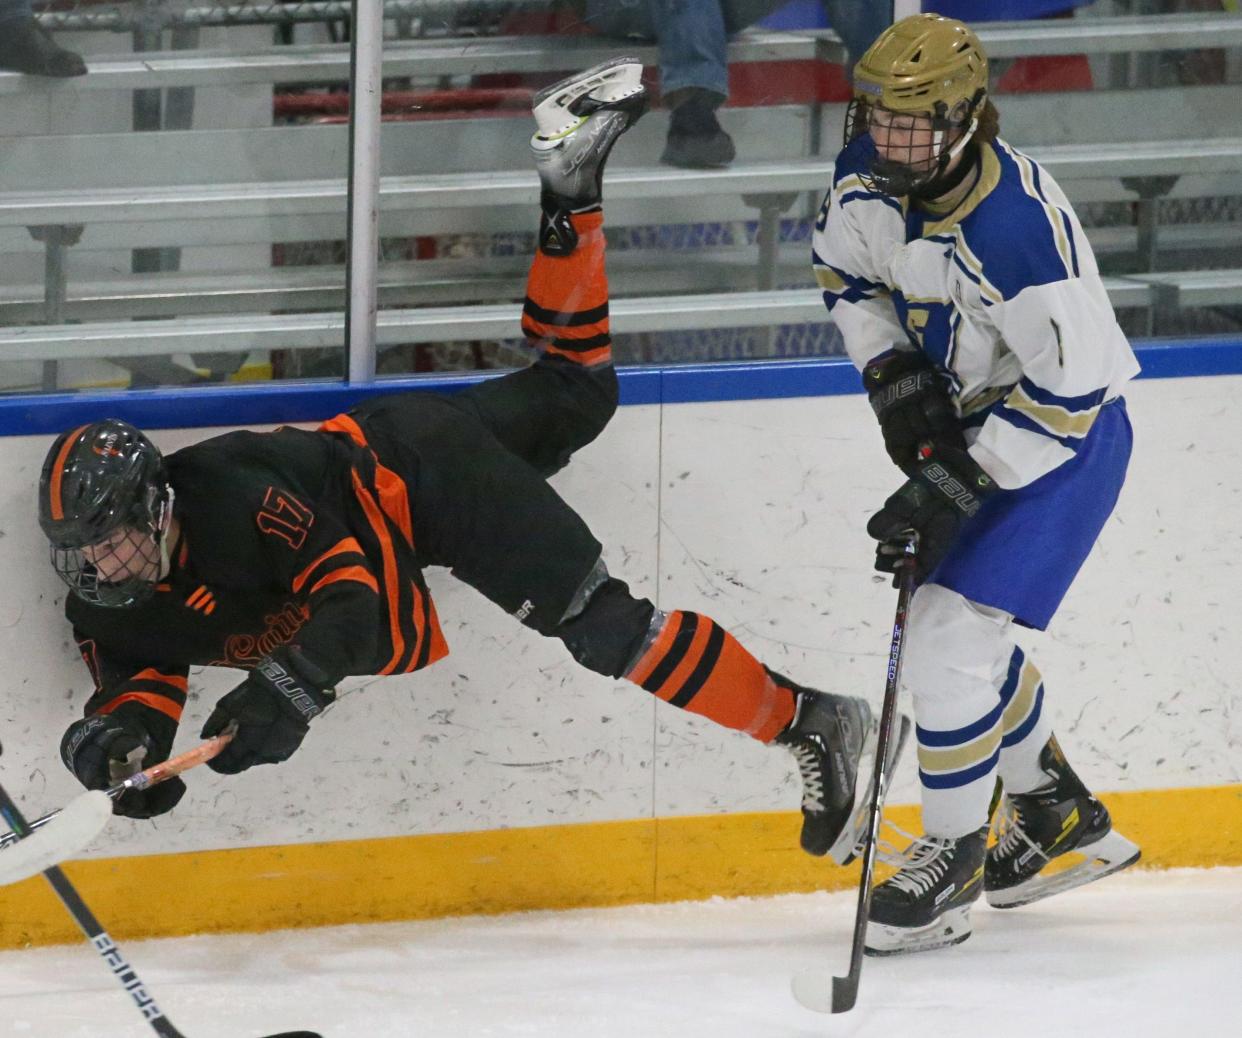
pixel 1002 293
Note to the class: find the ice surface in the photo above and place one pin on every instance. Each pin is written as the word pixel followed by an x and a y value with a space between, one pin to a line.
pixel 1141 954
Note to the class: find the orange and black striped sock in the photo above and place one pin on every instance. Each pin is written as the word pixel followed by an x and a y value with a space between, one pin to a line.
pixel 566 308
pixel 695 664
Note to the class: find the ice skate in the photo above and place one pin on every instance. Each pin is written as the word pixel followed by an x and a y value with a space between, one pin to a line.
pixel 579 120
pixel 1052 839
pixel 926 904
pixel 833 739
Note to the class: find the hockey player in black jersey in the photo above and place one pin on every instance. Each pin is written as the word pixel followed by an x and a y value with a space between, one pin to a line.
pixel 298 556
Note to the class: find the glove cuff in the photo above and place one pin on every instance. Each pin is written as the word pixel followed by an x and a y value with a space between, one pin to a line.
pixel 910 384
pixel 80 733
pixel 956 477
pixel 301 688
pixel 889 366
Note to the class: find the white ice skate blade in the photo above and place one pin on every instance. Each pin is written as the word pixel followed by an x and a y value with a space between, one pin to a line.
pixel 951 928
pixel 1111 853
pixel 849 844
pixel 613 80
pixel 62 837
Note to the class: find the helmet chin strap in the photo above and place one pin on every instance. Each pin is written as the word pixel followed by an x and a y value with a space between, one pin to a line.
pixel 161 533
pixel 956 150
pixel 941 182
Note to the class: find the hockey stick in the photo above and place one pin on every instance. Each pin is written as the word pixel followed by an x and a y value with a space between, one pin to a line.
pixel 199 754
pixel 808 987
pixel 61 834
pixel 65 833
pixel 99 938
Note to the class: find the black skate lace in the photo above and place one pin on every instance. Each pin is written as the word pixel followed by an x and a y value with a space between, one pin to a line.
pixel 812 777
pixel 928 861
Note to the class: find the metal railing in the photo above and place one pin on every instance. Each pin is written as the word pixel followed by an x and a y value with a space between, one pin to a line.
pixel 149 14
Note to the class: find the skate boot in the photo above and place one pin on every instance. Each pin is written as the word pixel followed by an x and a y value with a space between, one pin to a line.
pixel 926 904
pixel 1059 819
pixel 833 739
pixel 579 120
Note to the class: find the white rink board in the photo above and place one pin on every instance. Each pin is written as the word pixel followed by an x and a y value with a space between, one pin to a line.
pixel 761 507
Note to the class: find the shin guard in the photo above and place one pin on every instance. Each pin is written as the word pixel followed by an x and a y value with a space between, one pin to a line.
pixel 692 662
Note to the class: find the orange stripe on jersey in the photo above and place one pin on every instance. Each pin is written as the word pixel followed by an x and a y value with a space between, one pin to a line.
pixel 376 518
pixel 345 544
pixel 156 702
pixel 343 423
pixel 394 498
pixel 438 648
pixel 151 674
pixel 430 644
pixel 90 656
pixel 58 471
pixel 360 574
pixel 193 600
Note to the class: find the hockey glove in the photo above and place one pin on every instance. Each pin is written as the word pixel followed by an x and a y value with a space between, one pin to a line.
pixel 273 708
pixel 105 749
pixel 947 487
pixel 912 404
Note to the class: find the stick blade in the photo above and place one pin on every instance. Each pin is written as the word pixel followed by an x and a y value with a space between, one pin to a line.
pixel 61 838
pixel 295 1034
pixel 825 995
pixel 811 991
pixel 844 993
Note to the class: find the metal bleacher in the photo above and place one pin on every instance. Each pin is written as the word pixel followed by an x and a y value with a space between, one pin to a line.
pixel 175 188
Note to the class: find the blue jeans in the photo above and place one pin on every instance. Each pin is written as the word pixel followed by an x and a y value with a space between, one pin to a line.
pixel 858 23
pixel 10 9
pixel 692 35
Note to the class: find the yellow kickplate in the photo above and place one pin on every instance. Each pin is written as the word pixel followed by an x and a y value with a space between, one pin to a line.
pixel 550 867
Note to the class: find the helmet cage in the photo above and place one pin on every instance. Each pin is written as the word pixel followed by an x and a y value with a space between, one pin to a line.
pixel 123 568
pixel 913 168
pixel 104 505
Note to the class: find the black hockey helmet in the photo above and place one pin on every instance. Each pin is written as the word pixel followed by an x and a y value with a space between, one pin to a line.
pixel 104 494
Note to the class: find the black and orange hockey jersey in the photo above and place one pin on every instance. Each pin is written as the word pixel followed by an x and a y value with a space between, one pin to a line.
pixel 285 536
pixel 319 538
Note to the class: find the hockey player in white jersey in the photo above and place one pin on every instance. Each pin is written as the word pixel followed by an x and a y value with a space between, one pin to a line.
pixel 970 300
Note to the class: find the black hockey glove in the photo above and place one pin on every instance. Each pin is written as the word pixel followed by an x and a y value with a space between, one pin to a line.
pixel 947 487
pixel 912 403
pixel 104 749
pixel 273 708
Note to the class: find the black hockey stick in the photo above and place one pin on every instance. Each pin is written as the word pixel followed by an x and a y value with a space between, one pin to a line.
pixel 808 987
pixel 100 940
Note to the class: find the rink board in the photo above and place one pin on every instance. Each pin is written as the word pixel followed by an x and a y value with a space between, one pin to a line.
pixel 513 870
pixel 741 492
